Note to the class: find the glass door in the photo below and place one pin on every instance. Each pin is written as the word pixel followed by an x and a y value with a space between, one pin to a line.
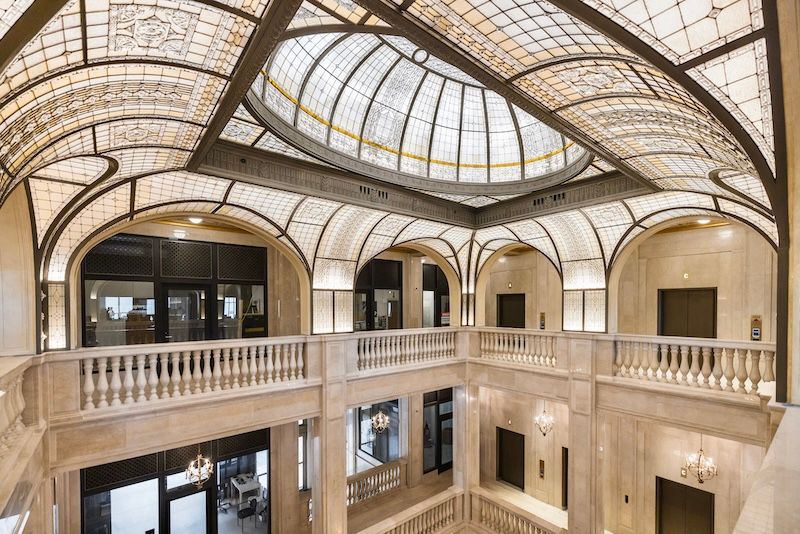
pixel 186 309
pixel 188 513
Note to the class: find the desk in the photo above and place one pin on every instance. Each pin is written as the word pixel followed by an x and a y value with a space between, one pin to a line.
pixel 244 484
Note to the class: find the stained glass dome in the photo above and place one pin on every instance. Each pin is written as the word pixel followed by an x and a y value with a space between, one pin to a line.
pixel 382 101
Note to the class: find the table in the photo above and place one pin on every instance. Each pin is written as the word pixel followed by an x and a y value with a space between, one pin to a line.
pixel 245 483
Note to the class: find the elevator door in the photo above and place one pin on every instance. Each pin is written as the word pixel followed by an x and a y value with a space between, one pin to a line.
pixel 511 310
pixel 687 312
pixel 683 509
pixel 511 457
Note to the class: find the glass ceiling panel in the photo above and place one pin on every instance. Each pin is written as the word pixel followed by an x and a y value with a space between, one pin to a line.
pixel 10 12
pixel 384 101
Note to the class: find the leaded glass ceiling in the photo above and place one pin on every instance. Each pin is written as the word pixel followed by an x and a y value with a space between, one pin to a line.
pixel 383 101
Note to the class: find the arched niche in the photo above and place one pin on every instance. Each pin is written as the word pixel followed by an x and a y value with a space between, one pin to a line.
pixel 679 254
pixel 288 260
pixel 412 255
pixel 528 271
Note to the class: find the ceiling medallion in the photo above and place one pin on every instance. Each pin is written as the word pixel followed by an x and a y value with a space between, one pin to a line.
pixel 166 30
pixel 700 465
pixel 544 422
pixel 380 422
pixel 200 469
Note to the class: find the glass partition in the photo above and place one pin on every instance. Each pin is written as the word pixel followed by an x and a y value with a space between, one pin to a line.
pixel 118 312
pixel 132 508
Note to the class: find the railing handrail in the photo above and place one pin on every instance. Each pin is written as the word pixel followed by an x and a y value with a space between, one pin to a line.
pixel 158 348
pixel 398 519
pixel 402 331
pixel 695 341
pixel 377 469
pixel 537 521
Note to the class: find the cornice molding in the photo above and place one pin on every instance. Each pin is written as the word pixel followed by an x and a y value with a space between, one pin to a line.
pixel 251 165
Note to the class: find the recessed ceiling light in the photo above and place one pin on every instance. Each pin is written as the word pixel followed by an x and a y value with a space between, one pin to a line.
pixel 703 221
pixel 502 260
pixel 195 220
pixel 180 234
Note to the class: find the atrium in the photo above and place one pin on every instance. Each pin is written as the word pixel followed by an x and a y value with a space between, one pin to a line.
pixel 399 266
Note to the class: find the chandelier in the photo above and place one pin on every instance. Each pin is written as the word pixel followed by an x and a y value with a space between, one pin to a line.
pixel 200 469
pixel 544 422
pixel 380 421
pixel 700 465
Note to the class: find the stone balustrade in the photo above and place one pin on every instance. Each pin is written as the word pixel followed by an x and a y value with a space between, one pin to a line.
pixel 139 374
pixel 379 480
pixel 12 400
pixel 387 349
pixel 494 515
pixel 733 366
pixel 531 347
pixel 442 512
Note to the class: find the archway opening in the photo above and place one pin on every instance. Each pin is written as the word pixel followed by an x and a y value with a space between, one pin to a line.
pixel 700 276
pixel 519 287
pixel 406 286
pixel 186 277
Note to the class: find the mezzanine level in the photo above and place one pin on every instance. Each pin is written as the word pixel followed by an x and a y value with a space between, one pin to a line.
pixel 64 411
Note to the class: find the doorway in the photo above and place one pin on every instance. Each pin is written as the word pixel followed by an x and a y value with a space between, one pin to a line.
pixel 682 509
pixel 687 312
pixel 511 458
pixel 188 314
pixel 511 310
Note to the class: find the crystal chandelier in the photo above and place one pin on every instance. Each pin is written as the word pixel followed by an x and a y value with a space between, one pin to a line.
pixel 380 421
pixel 700 465
pixel 544 422
pixel 200 469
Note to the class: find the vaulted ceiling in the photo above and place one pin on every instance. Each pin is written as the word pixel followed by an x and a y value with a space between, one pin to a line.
pixel 109 111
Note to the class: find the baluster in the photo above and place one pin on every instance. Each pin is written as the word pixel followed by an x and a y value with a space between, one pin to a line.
pixel 163 360
pixel 618 359
pixel 216 372
pixel 652 349
pixel 636 364
pixel 141 381
pixel 685 353
pixel 270 365
pixel 206 371
pixel 88 384
pixel 730 372
pixel 226 368
pixel 102 382
pixel 627 360
pixel 293 362
pixel 278 362
pixel 197 374
pixel 716 372
pixel 741 370
pixel 152 378
pixel 755 372
pixel 236 368
pixel 694 370
pixel 186 377
pixel 663 362
pixel 301 364
pixel 245 369
pixel 261 366
pixel 361 356
pixel 253 366
pixel 116 383
pixel 705 369
pixel 128 383
pixel 769 362
pixel 175 377
pixel 285 363
pixel 673 363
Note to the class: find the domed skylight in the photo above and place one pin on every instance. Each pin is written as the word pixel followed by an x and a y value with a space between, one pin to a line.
pixel 381 100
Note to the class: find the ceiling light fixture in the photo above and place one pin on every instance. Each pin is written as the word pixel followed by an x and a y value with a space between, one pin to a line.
pixel 700 465
pixel 180 234
pixel 380 422
pixel 195 220
pixel 703 221
pixel 544 422
pixel 200 469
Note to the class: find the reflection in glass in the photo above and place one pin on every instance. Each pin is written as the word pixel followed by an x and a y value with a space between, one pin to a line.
pixel 384 446
pixel 387 309
pixel 447 441
pixel 186 312
pixel 430 437
pixel 131 508
pixel 240 311
pixel 118 313
pixel 428 311
pixel 242 493
pixel 187 515
pixel 360 311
